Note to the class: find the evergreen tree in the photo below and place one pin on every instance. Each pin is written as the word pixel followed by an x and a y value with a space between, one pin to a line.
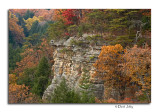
pixel 14 56
pixel 60 93
pixel 63 94
pixel 34 28
pixel 33 40
pixel 56 30
pixel 41 77
pixel 86 85
pixel 38 27
pixel 28 14
pixel 28 77
pixel 22 23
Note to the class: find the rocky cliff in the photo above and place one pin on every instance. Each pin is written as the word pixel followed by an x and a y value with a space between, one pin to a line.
pixel 72 58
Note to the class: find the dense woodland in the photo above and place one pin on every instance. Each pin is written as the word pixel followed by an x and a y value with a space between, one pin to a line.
pixel 124 62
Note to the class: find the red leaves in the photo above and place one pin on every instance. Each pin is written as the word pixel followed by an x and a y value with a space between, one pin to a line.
pixel 145 12
pixel 69 16
pixel 111 100
pixel 67 34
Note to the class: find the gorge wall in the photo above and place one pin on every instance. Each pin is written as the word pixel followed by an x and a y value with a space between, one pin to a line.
pixel 72 58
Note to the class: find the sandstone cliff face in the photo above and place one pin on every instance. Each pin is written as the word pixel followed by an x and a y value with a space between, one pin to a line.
pixel 71 61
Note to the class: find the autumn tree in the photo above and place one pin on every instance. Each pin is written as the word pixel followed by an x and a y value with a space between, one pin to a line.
pixel 15 31
pixel 19 93
pixel 69 16
pixel 108 68
pixel 29 59
pixel 30 21
pixel 127 71
pixel 28 66
pixel 138 68
pixel 58 14
pixel 66 23
pixel 32 55
pixel 18 11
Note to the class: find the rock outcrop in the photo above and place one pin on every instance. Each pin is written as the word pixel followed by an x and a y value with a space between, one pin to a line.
pixel 72 58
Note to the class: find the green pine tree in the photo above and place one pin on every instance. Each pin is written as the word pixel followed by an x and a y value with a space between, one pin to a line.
pixel 87 95
pixel 41 77
pixel 63 94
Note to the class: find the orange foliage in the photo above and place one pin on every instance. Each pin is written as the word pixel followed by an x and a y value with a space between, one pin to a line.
pixel 138 66
pixel 97 100
pixel 46 14
pixel 19 93
pixel 58 14
pixel 69 15
pixel 124 70
pixel 16 30
pixel 109 69
pixel 108 65
pixel 145 12
pixel 32 55
pixel 111 100
pixel 12 79
pixel 20 11
pixel 126 100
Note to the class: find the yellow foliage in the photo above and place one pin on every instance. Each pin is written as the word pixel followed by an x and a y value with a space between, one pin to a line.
pixel 30 21
pixel 12 78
